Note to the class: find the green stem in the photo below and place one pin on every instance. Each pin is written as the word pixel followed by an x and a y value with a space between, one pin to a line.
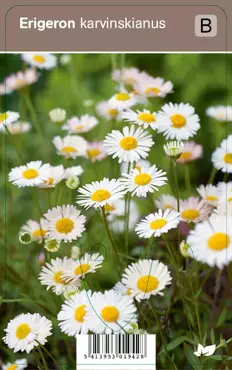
pixel 15 144
pixel 110 236
pixel 212 176
pixel 45 366
pixel 173 168
pixel 162 335
pixel 127 224
pixel 50 355
pixel 187 178
pixel 113 62
pixel 33 114
pixel 190 278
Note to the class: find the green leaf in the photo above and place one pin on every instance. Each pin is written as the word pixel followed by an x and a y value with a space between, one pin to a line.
pixel 192 359
pixel 222 318
pixel 212 336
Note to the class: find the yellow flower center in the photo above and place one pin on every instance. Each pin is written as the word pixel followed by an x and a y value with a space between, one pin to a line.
pixel 29 174
pixel 82 269
pixel 22 331
pixel 219 241
pixel 39 233
pixel 211 198
pixel 113 113
pixel 58 278
pixel 38 59
pixel 178 120
pixel 110 314
pixel 12 367
pixel 142 179
pixel 147 283
pixel 79 127
pixel 147 117
pixel 190 214
pixel 228 158
pixel 3 117
pixel 152 90
pixel 122 96
pixel 64 225
pixel 100 195
pixel 128 143
pixel 80 313
pixel 185 156
pixel 158 224
pixel 93 152
pixel 168 206
pixel 128 292
pixel 109 207
pixel 69 149
pixel 230 199
pixel 50 181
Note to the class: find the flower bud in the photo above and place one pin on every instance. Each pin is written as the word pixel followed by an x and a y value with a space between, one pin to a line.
pixel 72 182
pixel 75 252
pixel 185 250
pixel 25 238
pixel 52 245
pixel 174 149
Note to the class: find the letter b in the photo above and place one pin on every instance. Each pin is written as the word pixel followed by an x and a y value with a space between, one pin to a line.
pixel 206 25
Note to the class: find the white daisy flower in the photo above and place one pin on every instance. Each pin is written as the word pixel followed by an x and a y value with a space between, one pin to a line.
pixel 142 163
pixel 82 266
pixel 166 201
pixel 191 151
pixel 146 278
pixel 37 230
pixel 115 213
pixel 64 223
pixel 151 87
pixel 7 118
pixel 224 207
pixel 209 194
pixel 105 110
pixel 73 171
pixel 27 331
pixel 126 76
pixel 211 241
pixel 194 210
pixel 112 312
pixel 52 276
pixel 205 351
pixel 173 149
pixel 158 223
pixel 21 79
pixel 141 182
pixel 99 193
pixel 17 365
pixel 32 174
pixel 18 128
pixel 96 151
pixel 122 289
pixel 40 60
pixel 65 59
pixel 123 100
pixel 222 156
pixel 76 313
pixel 178 121
pixel 79 125
pixel 130 145
pixel 57 115
pixel 70 146
pixel 224 188
pixel 220 112
pixel 55 176
pixel 144 118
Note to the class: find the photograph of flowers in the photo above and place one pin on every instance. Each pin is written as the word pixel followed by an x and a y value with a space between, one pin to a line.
pixel 116 215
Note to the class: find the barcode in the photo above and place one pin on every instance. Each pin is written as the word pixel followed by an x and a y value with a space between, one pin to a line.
pixel 117 344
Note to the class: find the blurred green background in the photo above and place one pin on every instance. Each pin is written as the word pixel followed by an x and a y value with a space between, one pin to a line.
pixel 201 80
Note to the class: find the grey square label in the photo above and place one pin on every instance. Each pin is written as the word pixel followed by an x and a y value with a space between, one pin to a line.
pixel 206 25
